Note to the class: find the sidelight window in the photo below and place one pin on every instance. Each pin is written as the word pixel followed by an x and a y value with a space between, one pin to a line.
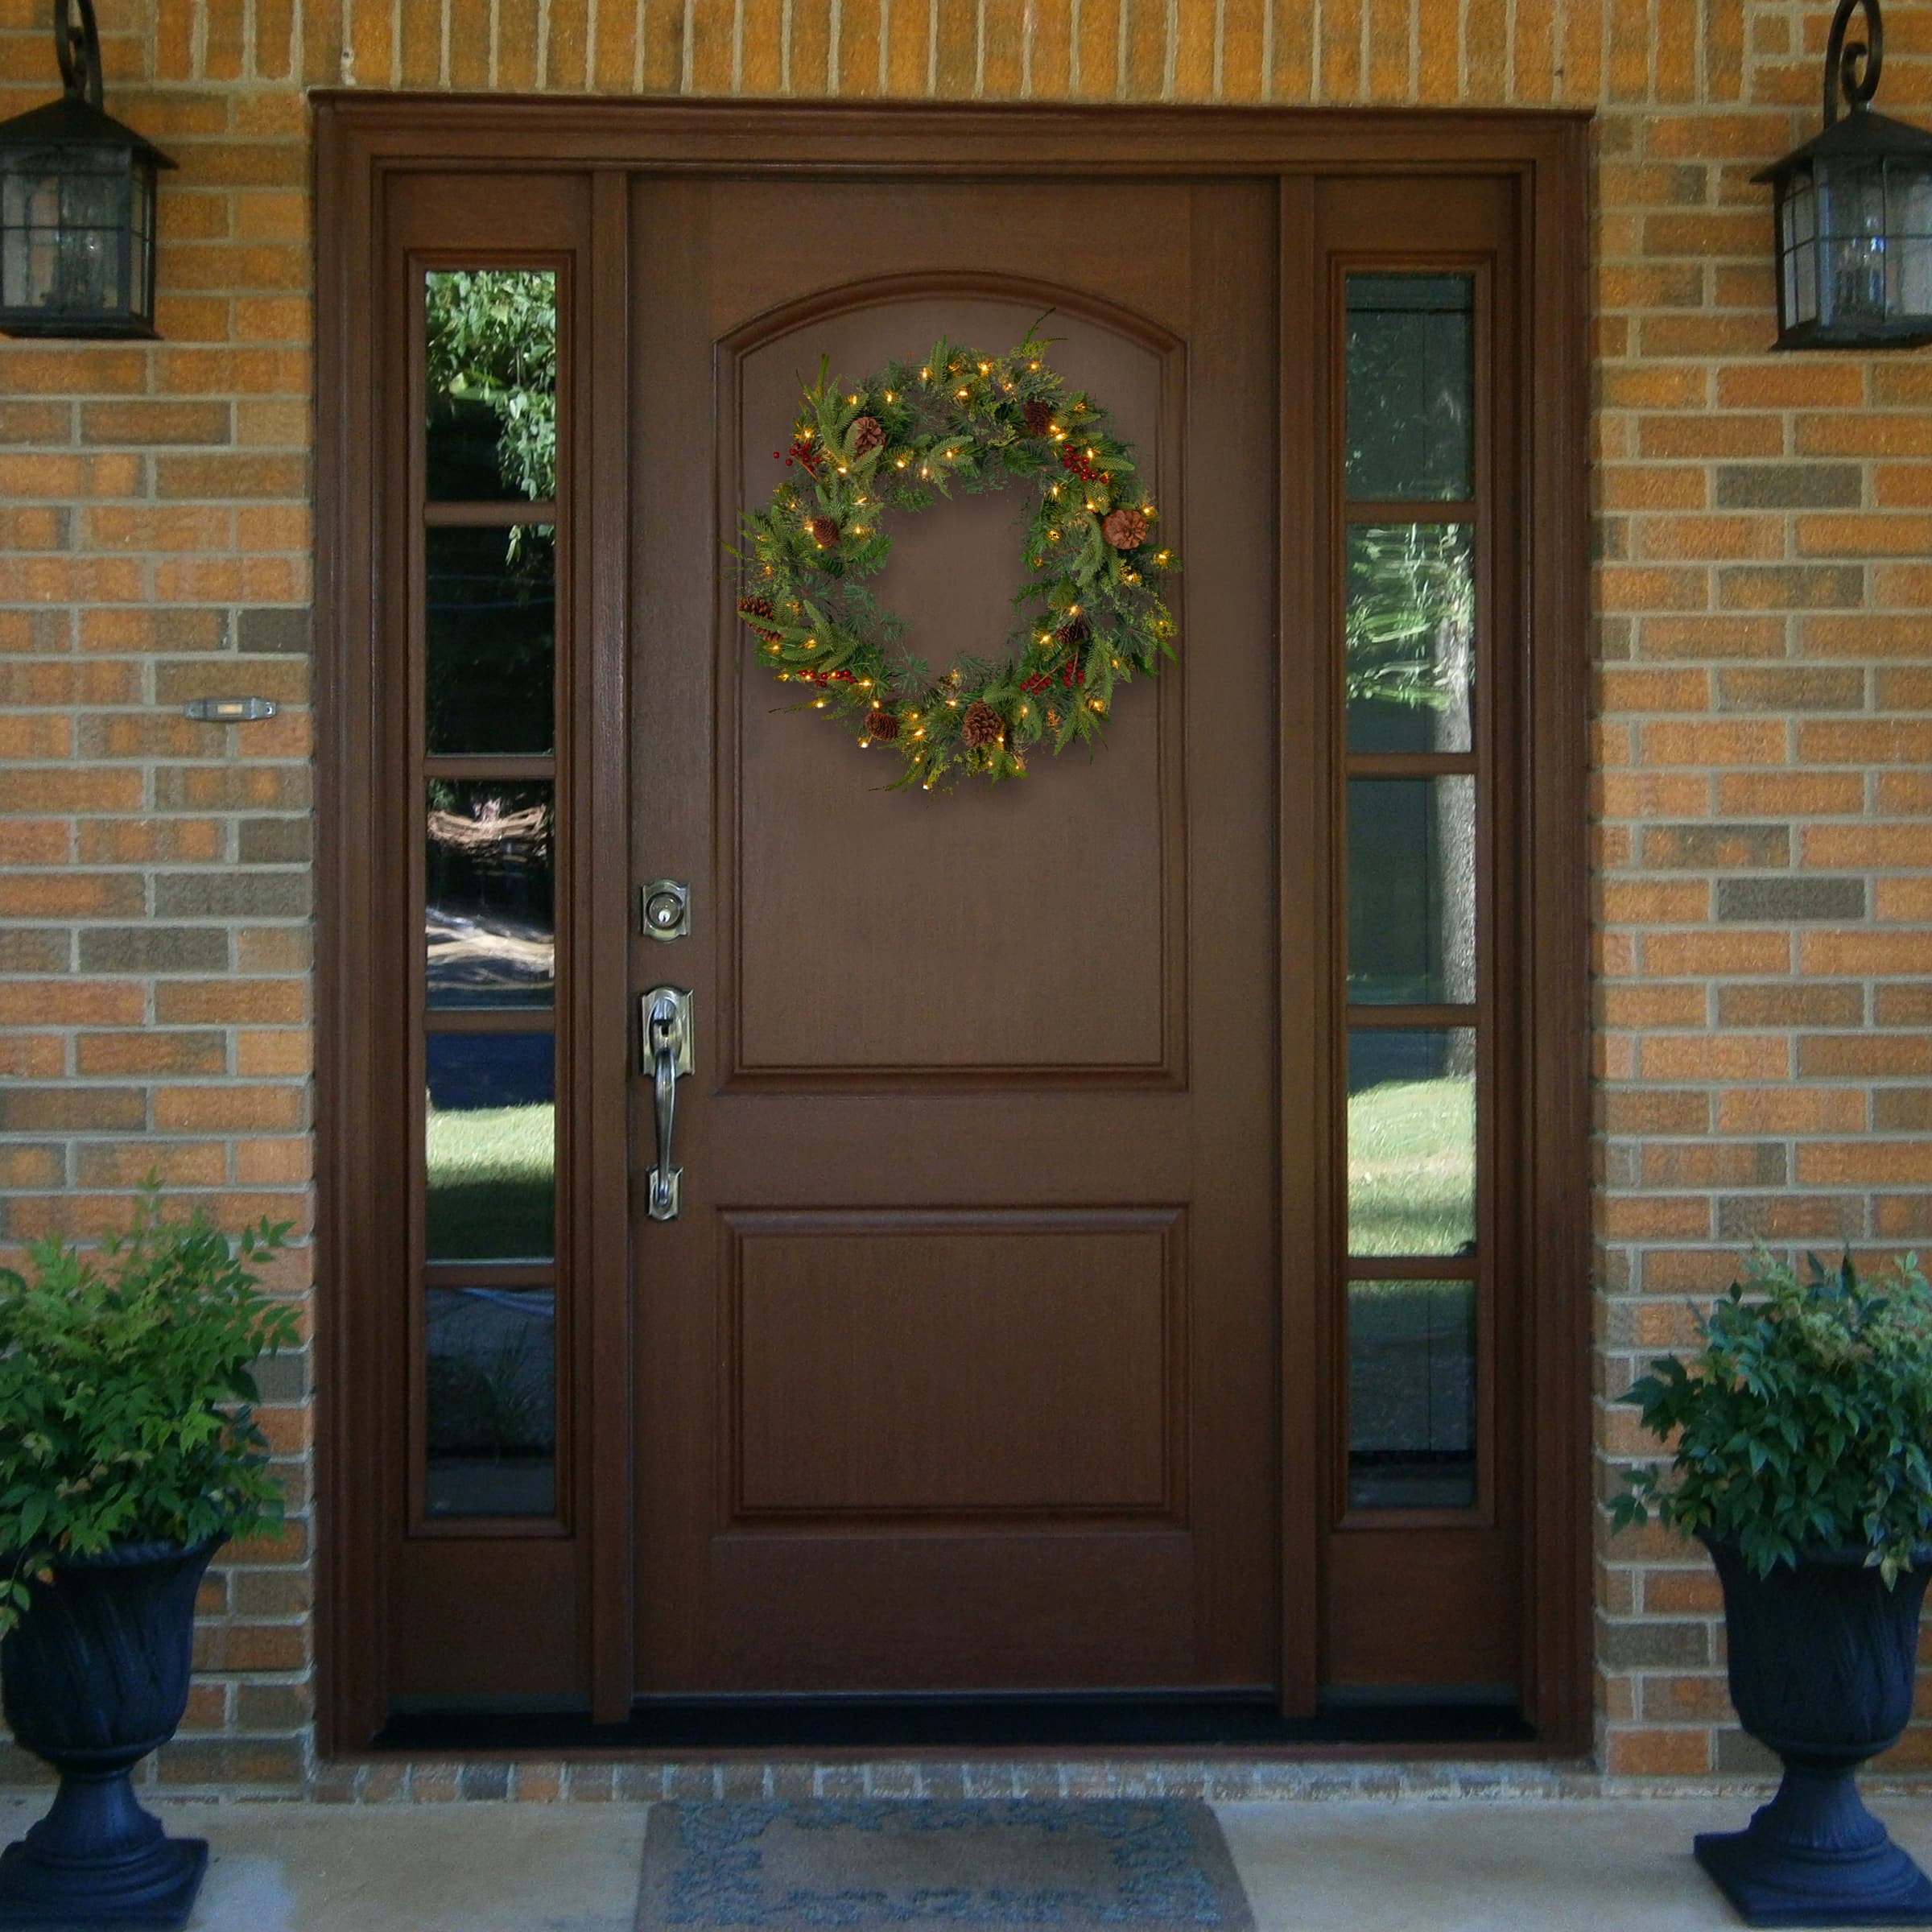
pixel 489 1298
pixel 1411 542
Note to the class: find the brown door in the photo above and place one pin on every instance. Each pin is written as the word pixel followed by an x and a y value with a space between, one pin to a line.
pixel 1129 1231
pixel 957 1369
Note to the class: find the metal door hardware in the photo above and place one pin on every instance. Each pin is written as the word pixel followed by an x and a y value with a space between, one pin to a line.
pixel 664 1046
pixel 667 909
pixel 228 711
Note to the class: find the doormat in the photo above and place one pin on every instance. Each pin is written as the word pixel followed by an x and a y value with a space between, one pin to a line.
pixel 1121 1864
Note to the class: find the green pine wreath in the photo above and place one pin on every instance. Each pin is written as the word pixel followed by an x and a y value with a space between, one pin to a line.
pixel 1090 611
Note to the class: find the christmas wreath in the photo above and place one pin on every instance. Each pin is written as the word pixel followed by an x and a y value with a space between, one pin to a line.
pixel 1090 610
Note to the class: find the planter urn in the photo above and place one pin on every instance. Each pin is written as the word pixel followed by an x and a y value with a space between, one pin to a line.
pixel 93 1678
pixel 1822 1662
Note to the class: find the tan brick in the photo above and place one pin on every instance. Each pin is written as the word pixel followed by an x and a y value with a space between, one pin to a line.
pixel 1676 954
pixel 152 1051
pixel 1863 846
pixel 1719 1056
pixel 1658 1753
pixel 1864 1163
pixel 228 1110
pixel 1806 1004
pixel 1907 1006
pixel 1865 952
pixel 1799 794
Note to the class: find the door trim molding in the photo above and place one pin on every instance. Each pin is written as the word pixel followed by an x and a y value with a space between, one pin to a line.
pixel 362 139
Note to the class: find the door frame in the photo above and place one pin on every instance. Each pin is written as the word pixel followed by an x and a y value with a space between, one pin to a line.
pixel 363 139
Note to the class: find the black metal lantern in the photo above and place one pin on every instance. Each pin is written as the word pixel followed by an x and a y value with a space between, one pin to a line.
pixel 76 204
pixel 1854 213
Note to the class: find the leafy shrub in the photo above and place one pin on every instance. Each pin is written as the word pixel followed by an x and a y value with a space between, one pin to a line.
pixel 126 1406
pixel 1804 1421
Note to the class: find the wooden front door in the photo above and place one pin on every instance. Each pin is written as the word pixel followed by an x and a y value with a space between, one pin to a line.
pixel 1132 1232
pixel 957 1369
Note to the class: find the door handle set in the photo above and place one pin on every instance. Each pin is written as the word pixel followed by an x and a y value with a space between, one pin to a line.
pixel 664 1049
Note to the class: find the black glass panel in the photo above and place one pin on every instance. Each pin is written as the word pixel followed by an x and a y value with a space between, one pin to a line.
pixel 490 364
pixel 488 922
pixel 1410 637
pixel 491 1146
pixel 1412 1142
pixel 1411 387
pixel 1412 891
pixel 1411 1395
pixel 490 1401
pixel 491 634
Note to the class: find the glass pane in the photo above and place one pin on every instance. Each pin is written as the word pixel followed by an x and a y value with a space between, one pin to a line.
pixel 1410 667
pixel 492 639
pixel 1412 891
pixel 488 922
pixel 1908 223
pixel 1412 1142
pixel 1411 386
pixel 492 1146
pixel 1411 1395
pixel 490 1401
pixel 1799 215
pixel 491 360
pixel 1851 218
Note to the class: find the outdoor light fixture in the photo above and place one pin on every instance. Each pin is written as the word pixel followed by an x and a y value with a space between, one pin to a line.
pixel 1854 213
pixel 76 204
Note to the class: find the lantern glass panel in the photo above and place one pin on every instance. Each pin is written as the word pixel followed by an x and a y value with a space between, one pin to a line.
pixel 92 271
pixel 1851 223
pixel 140 230
pixel 1798 220
pixel 1908 224
pixel 30 228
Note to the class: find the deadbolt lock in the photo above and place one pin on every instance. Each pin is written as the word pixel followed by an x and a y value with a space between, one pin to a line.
pixel 667 909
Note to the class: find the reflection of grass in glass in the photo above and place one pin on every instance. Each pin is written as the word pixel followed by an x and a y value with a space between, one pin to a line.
pixel 492 1173
pixel 1412 1167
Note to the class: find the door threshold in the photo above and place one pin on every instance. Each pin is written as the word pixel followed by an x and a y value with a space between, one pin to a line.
pixel 900 1725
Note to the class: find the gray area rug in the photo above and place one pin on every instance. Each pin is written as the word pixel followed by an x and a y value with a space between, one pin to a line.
pixel 1083 1864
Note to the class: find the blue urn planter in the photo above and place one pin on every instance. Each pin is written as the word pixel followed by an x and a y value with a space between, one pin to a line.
pixel 93 1678
pixel 1823 1660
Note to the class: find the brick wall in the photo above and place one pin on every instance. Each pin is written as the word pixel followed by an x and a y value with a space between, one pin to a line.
pixel 1763 791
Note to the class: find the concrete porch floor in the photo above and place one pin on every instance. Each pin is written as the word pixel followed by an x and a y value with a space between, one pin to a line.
pixel 1409 1865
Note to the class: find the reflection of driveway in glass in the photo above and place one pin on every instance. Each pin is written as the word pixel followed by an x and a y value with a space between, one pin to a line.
pixel 488 962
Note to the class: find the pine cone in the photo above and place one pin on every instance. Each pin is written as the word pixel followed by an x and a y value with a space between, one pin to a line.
pixel 867 433
pixel 825 532
pixel 1125 529
pixel 751 608
pixel 1074 632
pixel 982 724
pixel 1039 416
pixel 882 725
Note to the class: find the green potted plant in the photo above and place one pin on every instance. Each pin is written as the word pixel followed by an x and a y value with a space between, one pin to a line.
pixel 128 1454
pixel 1801 1436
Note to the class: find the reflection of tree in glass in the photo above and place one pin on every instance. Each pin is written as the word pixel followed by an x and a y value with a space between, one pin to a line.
pixel 493 827
pixel 492 339
pixel 1411 625
pixel 1410 386
pixel 1411 643
pixel 489 922
pixel 491 638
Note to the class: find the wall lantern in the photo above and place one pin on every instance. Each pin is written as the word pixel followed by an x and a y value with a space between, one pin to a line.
pixel 76 204
pixel 1854 213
